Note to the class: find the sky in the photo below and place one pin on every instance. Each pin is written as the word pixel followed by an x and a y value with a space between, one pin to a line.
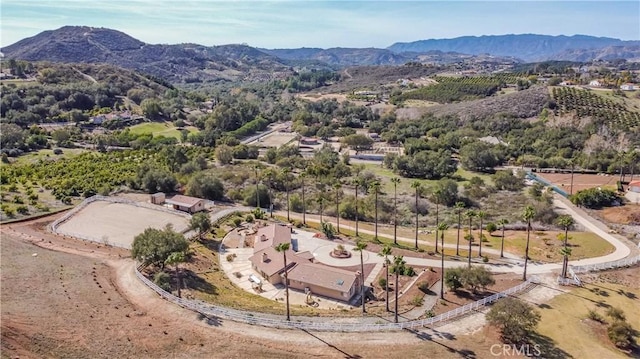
pixel 314 23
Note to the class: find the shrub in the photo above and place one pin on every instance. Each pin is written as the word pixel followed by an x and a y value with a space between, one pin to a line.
pixel 237 222
pixel 162 280
pixel 238 274
pixel 515 319
pixel 382 282
pixel 249 218
pixel 409 271
pixel 616 313
pixel 22 209
pixel 424 287
pixel 57 151
pixel 485 259
pixel 594 315
pixel 417 300
pixel 453 278
pixel 621 334
pixel 230 257
pixel 18 200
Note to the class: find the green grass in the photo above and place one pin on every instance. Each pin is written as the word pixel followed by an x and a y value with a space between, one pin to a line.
pixel 573 333
pixel 166 129
pixel 45 154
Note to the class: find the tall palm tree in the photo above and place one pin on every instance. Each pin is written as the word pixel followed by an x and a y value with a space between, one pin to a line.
pixel 527 215
pixel 417 186
pixel 397 269
pixel 356 184
pixel 360 247
pixel 502 222
pixel 565 221
pixel 375 186
pixel 256 167
pixel 336 187
pixel 436 196
pixel 482 215
pixel 386 252
pixel 442 227
pixel 395 181
pixel 286 172
pixel 458 206
pixel 320 201
pixel 470 214
pixel 304 203
pixel 283 248
pixel 176 258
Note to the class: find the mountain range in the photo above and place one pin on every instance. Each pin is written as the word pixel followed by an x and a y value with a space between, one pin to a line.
pixel 193 62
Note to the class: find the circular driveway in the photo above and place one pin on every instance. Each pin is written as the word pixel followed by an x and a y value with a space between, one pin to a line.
pixel 322 255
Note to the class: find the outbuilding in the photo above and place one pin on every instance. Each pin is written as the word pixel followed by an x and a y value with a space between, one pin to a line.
pixel 186 203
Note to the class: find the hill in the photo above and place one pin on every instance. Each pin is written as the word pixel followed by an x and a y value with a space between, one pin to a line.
pixel 182 62
pixel 631 53
pixel 528 47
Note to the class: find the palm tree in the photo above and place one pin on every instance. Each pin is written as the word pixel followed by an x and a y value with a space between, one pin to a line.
pixel 436 196
pixel 386 252
pixel 375 186
pixel 482 215
pixel 360 247
pixel 397 269
pixel 356 183
pixel 176 258
pixel 527 215
pixel 417 186
pixel 565 221
pixel 458 206
pixel 286 172
pixel 256 167
pixel 320 201
pixel 395 181
pixel 283 248
pixel 337 187
pixel 304 204
pixel 442 227
pixel 502 222
pixel 470 214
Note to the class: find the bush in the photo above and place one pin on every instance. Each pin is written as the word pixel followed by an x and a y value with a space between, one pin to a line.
pixel 57 151
pixel 616 313
pixel 515 319
pixel 409 271
pixel 382 282
pixel 249 218
pixel 237 222
pixel 22 210
pixel 424 287
pixel 417 300
pixel 162 280
pixel 594 315
pixel 485 259
pixel 453 278
pixel 621 334
pixel 230 257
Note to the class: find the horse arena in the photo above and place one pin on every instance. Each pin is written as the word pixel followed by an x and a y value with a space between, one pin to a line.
pixel 580 181
pixel 117 223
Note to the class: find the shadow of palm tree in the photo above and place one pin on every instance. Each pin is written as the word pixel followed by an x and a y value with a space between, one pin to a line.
pixel 210 320
pixel 547 347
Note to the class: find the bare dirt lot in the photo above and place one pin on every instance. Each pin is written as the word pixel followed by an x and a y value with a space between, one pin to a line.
pixel 580 181
pixel 113 223
pixel 79 299
pixel 275 139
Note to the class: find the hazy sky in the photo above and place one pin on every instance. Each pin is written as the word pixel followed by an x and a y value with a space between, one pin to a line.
pixel 288 24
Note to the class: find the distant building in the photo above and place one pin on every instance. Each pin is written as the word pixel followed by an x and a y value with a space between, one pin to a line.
pixel 186 203
pixel 595 83
pixel 627 87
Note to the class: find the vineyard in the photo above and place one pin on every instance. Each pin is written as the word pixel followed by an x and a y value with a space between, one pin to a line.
pixel 582 103
pixel 456 89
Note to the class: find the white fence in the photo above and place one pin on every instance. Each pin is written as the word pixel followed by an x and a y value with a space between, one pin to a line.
pixel 273 321
pixel 573 271
pixel 53 227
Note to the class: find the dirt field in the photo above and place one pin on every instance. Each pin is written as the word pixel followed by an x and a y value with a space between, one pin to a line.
pixel 113 223
pixel 580 181
pixel 81 300
pixel 275 139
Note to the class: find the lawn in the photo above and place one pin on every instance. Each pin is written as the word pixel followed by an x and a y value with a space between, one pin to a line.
pixel 46 154
pixel 581 337
pixel 166 129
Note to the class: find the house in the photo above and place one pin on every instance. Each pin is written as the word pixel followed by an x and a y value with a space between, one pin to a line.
pixel 627 87
pixel 595 83
pixel 303 273
pixel 269 263
pixel 186 203
pixel 323 280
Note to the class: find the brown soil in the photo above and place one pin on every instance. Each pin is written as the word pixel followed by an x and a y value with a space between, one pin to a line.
pixel 628 277
pixel 81 300
pixel 627 214
pixel 580 181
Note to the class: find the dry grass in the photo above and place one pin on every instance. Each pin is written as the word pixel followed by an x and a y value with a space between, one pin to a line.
pixel 574 334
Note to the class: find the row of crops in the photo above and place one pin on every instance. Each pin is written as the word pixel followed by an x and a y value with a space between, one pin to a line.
pixel 582 103
pixel 456 89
